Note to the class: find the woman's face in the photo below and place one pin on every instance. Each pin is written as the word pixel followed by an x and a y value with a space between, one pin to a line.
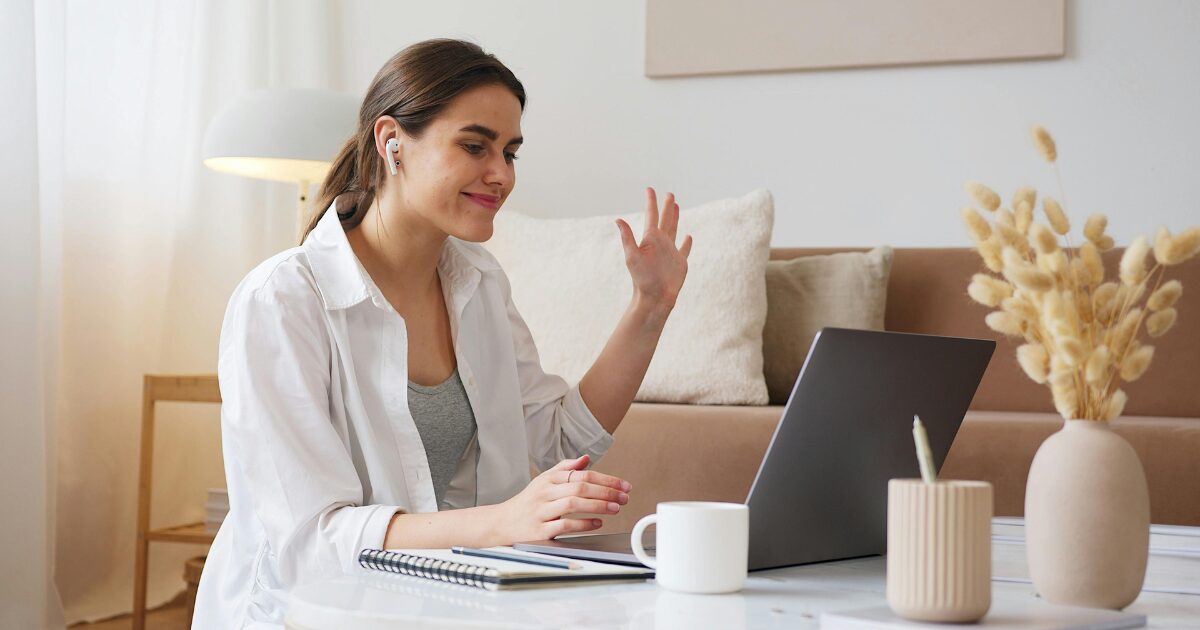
pixel 461 170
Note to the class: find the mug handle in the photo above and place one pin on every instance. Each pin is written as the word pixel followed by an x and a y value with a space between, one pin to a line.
pixel 635 540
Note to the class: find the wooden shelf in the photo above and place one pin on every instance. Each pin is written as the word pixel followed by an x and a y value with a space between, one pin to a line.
pixel 186 388
pixel 189 533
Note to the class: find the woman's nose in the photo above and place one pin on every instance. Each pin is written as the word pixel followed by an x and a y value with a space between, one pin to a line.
pixel 499 173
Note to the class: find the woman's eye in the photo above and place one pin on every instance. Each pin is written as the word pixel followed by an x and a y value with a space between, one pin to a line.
pixel 509 157
pixel 473 149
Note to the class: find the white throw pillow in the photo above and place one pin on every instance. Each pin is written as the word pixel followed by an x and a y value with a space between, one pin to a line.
pixel 570 283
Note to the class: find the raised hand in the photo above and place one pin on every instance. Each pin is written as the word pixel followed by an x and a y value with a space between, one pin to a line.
pixel 656 266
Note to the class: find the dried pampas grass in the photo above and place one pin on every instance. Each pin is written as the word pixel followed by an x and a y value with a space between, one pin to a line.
pixel 1116 405
pixel 1080 330
pixel 1004 323
pixel 1165 296
pixel 1023 216
pixel 1096 368
pixel 1020 306
pixel 984 196
pixel 1056 216
pixel 1045 144
pixel 989 291
pixel 1133 262
pixel 1136 363
pixel 1043 239
pixel 1093 230
pixel 1104 302
pixel 990 251
pixel 1172 250
pixel 1188 243
pixel 1089 254
pixel 978 226
pixel 1159 323
pixel 1034 359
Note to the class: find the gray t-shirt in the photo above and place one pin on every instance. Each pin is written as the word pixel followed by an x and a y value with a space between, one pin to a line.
pixel 446 423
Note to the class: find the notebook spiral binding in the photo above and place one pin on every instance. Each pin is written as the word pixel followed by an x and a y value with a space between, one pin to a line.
pixel 418 566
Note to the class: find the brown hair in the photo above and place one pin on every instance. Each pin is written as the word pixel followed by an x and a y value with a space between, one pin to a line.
pixel 413 87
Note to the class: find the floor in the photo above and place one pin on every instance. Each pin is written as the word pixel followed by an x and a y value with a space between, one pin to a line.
pixel 171 616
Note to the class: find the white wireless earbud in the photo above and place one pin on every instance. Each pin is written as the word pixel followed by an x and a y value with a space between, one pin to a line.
pixel 393 147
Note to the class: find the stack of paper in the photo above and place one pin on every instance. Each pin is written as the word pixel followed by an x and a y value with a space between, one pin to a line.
pixel 215 509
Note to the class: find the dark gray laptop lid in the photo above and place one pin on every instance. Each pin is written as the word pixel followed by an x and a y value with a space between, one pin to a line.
pixel 821 490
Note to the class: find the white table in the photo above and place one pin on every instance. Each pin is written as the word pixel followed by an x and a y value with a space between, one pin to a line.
pixel 793 597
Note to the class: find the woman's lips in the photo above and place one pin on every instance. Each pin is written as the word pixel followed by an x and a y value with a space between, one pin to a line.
pixel 487 201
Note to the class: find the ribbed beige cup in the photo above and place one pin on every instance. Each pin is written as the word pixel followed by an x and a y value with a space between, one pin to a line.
pixel 939 563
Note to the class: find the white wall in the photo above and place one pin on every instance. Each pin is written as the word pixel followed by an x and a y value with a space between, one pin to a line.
pixel 854 157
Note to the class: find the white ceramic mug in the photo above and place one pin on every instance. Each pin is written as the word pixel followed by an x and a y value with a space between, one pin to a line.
pixel 702 547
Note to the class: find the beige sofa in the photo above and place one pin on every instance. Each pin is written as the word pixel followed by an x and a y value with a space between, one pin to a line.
pixel 693 452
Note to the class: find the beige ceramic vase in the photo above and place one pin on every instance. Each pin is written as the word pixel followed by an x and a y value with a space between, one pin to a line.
pixel 1087 518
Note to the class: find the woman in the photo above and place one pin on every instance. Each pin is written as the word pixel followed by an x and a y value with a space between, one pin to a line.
pixel 380 388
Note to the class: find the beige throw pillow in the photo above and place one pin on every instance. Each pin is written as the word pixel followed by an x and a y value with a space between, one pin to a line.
pixel 570 284
pixel 806 294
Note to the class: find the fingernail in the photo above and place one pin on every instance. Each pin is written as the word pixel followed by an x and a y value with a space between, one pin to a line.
pixel 597 522
pixel 626 486
pixel 613 507
pixel 622 498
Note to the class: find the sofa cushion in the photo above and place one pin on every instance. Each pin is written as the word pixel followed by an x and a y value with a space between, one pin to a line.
pixel 570 283
pixel 845 290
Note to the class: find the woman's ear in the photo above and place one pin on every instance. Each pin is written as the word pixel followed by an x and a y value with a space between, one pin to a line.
pixel 387 128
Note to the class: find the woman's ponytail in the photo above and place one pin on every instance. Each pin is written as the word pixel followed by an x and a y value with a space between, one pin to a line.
pixel 340 174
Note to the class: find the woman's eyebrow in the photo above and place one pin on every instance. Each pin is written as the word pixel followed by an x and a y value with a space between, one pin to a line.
pixel 490 134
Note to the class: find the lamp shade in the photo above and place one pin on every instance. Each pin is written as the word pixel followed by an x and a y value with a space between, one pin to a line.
pixel 288 135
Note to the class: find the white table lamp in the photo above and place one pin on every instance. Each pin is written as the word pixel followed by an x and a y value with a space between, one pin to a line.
pixel 285 135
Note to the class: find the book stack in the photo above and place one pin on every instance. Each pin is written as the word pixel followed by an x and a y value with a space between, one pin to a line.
pixel 215 509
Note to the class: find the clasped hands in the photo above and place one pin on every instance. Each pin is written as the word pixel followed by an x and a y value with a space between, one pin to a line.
pixel 540 511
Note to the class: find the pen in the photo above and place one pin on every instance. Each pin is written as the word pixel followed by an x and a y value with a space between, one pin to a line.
pixel 924 456
pixel 500 555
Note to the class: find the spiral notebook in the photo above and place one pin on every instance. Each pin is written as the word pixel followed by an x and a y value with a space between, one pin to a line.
pixel 493 574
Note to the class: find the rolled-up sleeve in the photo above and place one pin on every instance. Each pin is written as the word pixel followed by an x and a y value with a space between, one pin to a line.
pixel 558 424
pixel 274 372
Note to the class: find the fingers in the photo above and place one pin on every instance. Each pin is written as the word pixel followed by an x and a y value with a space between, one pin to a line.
pixel 686 248
pixel 651 210
pixel 627 240
pixel 571 464
pixel 573 526
pixel 670 218
pixel 578 505
pixel 594 478
pixel 588 491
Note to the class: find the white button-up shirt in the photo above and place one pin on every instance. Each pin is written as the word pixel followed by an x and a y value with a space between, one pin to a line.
pixel 320 448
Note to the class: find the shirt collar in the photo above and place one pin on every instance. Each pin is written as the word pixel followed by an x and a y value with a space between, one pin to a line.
pixel 343 282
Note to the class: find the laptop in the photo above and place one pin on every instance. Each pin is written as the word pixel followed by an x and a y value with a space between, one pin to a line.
pixel 821 490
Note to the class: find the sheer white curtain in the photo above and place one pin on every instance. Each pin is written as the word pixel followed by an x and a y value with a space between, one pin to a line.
pixel 148 245
pixel 28 334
